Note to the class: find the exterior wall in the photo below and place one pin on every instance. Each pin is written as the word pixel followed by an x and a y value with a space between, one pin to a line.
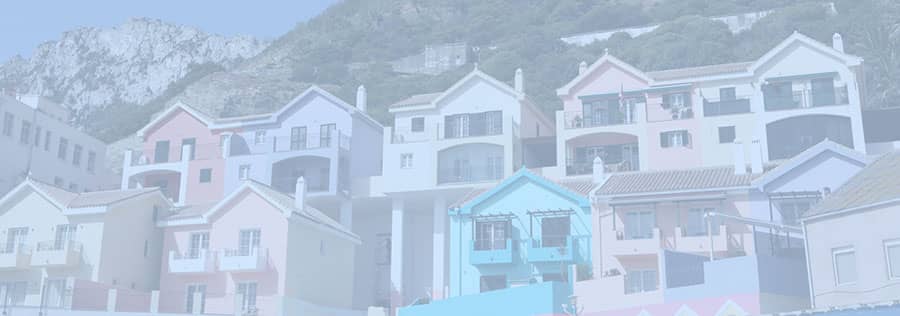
pixel 536 299
pixel 873 227
pixel 129 228
pixel 319 267
pixel 46 165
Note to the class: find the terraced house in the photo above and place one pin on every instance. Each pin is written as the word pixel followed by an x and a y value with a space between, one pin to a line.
pixel 791 98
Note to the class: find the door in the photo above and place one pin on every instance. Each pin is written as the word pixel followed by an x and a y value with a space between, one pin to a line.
pixel 383 270
pixel 189 297
pixel 199 244
pixel 193 143
pixel 823 92
pixel 249 242
pixel 248 290
pixel 55 291
pixel 639 225
pixel 491 235
pixel 16 238
pixel 555 231
pixel 13 293
pixel 64 234
pixel 298 138
pixel 325 134
pixel 461 170
pixel 161 154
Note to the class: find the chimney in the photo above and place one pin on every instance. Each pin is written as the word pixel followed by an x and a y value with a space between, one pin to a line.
pixel 756 163
pixel 740 165
pixel 361 99
pixel 300 194
pixel 837 41
pixel 520 85
pixel 582 67
pixel 599 171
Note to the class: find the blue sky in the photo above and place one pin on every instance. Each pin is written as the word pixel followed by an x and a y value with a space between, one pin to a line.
pixel 24 24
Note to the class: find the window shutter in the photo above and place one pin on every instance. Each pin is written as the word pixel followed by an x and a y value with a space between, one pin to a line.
pixel 664 140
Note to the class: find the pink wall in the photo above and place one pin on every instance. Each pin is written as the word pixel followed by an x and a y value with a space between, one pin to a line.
pixel 247 211
pixel 607 78
pixel 674 157
pixel 208 154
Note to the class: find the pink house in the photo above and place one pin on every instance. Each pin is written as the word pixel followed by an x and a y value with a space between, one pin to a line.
pixel 256 250
pixel 181 155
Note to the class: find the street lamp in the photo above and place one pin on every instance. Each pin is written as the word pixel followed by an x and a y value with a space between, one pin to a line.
pixel 572 307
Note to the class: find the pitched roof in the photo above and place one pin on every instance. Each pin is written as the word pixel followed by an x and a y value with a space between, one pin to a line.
pixel 878 182
pixel 69 199
pixel 417 99
pixel 190 211
pixel 708 70
pixel 674 180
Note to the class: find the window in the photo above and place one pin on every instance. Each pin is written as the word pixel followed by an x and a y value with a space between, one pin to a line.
pixel 199 244
pixel 37 136
pixel 244 172
pixel 64 234
pixel 189 142
pixel 675 139
pixel 406 161
pixel 205 175
pixel 8 121
pixel 15 292
pixel 56 292
pixel 844 266
pixel 892 254
pixel 639 225
pixel 325 134
pixel 555 231
pixel 491 235
pixel 58 182
pixel 161 153
pixel 76 155
pixel 47 141
pixel 726 134
pixel 298 138
pixel 727 94
pixel 146 248
pixel 199 290
pixel 16 238
pixel 25 136
pixel 259 137
pixel 492 283
pixel 248 242
pixel 248 291
pixel 418 124
pixel 697 222
pixel 63 148
pixel 637 281
pixel 92 161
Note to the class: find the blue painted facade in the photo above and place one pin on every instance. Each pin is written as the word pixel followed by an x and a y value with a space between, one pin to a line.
pixel 537 299
pixel 527 207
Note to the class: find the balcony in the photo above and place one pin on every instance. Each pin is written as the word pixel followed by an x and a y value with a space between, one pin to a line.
pixel 202 262
pixel 621 245
pixel 288 144
pixel 700 243
pixel 805 99
pixel 719 107
pixel 56 254
pixel 243 260
pixel 551 249
pixel 405 134
pixel 575 167
pixel 485 252
pixel 15 257
pixel 470 174
pixel 171 155
pixel 577 119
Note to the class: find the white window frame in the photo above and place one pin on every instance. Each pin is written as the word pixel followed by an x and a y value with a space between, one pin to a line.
pixel 189 297
pixel 259 137
pixel 243 172
pixel 840 251
pixel 247 303
pixel 892 275
pixel 406 161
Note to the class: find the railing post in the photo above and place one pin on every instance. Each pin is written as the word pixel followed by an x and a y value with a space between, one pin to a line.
pixel 154 302
pixel 111 298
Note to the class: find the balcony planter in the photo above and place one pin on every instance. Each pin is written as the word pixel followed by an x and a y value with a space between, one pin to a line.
pixel 202 263
pixel 236 261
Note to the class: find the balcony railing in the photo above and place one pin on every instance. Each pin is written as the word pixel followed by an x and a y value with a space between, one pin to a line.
pixel 623 244
pixel 579 167
pixel 470 174
pixel 15 257
pixel 174 153
pixel 577 119
pixel 491 252
pixel 718 107
pixel 200 262
pixel 803 99
pixel 404 134
pixel 552 249
pixel 282 144
pixel 234 260
pixel 700 241
pixel 57 253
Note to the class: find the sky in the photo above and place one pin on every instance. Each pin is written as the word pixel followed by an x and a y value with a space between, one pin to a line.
pixel 25 24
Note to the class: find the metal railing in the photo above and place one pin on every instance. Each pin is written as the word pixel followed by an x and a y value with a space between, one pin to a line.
pixel 490 244
pixel 577 119
pixel 717 107
pixel 806 98
pixel 281 144
pixel 58 245
pixel 15 248
pixel 580 167
pixel 470 174
pixel 173 153
pixel 404 134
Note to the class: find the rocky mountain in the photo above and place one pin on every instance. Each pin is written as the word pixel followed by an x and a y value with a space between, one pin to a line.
pixel 133 63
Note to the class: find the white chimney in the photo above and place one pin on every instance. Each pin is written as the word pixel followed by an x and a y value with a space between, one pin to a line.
pixel 582 67
pixel 740 164
pixel 361 98
pixel 599 171
pixel 756 163
pixel 837 41
pixel 300 194
pixel 520 85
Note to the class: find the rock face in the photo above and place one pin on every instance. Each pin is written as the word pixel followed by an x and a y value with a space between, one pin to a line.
pixel 133 63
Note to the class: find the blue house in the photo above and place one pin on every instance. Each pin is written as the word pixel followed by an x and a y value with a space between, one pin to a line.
pixel 514 245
